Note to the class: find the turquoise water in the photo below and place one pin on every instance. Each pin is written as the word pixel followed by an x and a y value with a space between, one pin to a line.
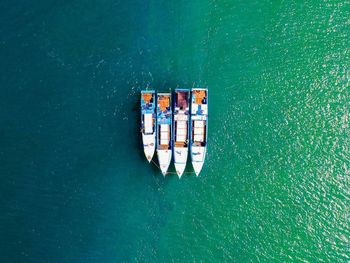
pixel 74 184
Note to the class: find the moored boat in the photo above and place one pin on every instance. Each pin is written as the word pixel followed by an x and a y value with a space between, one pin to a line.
pixel 164 131
pixel 148 123
pixel 181 129
pixel 199 127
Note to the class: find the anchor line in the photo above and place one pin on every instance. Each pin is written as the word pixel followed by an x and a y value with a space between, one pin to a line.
pixel 170 172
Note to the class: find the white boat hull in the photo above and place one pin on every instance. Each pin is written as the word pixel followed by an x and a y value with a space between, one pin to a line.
pixel 180 159
pixel 164 159
pixel 149 141
pixel 198 157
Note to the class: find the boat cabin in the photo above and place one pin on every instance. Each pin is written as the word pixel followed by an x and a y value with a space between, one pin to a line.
pixel 198 132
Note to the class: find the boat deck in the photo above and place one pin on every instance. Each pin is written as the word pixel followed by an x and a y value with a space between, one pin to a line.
pixel 164 121
pixel 199 113
pixel 147 112
pixel 181 133
pixel 163 147
pixel 180 144
pixel 148 123
pixel 164 134
pixel 199 130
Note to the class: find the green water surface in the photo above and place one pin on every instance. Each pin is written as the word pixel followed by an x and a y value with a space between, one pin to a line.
pixel 74 184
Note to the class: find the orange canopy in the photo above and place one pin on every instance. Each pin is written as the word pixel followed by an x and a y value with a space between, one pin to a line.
pixel 147 97
pixel 164 102
pixel 199 95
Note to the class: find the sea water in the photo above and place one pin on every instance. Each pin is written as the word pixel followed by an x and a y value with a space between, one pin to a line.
pixel 74 183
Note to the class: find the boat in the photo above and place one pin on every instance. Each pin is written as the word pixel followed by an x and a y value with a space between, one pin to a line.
pixel 164 131
pixel 181 129
pixel 199 127
pixel 148 122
